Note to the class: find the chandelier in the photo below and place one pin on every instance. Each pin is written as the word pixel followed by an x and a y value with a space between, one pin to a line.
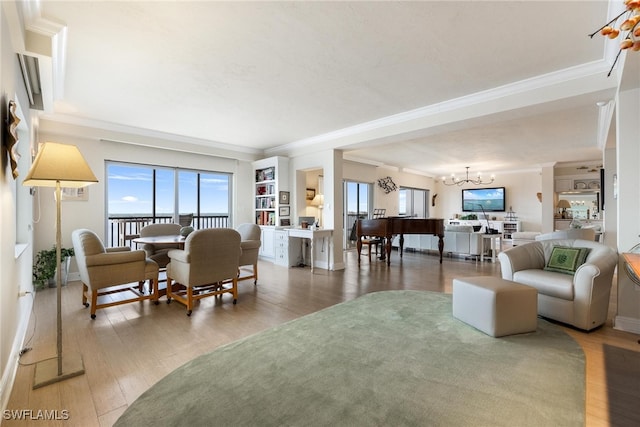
pixel 457 181
pixel 630 25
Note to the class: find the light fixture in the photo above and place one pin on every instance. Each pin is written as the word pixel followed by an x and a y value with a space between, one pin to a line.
pixel 564 205
pixel 630 25
pixel 318 201
pixel 58 165
pixel 457 181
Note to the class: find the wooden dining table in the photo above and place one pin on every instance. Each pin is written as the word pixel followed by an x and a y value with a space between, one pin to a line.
pixel 159 240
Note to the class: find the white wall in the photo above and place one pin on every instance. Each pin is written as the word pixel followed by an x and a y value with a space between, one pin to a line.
pixel 520 190
pixel 628 202
pixel 15 260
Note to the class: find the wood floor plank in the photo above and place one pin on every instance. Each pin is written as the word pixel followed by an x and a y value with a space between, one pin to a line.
pixel 128 348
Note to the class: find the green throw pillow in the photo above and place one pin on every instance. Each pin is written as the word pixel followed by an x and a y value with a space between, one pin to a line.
pixel 566 260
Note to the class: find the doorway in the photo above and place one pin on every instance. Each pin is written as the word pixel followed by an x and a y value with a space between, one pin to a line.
pixel 358 204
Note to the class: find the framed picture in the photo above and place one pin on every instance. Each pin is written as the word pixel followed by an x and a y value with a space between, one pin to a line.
pixel 311 193
pixel 284 198
pixel 285 222
pixel 284 211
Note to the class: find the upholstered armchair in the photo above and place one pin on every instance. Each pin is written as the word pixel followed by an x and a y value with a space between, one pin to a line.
pixel 118 269
pixel 159 252
pixel 579 297
pixel 207 266
pixel 250 244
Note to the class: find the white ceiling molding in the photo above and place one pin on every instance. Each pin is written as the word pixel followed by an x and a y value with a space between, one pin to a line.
pixel 546 88
pixel 152 135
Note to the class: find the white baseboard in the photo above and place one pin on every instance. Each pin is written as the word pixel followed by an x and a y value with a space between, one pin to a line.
pixel 10 370
pixel 627 324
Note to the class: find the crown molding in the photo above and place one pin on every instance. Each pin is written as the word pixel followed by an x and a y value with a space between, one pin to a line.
pixel 588 77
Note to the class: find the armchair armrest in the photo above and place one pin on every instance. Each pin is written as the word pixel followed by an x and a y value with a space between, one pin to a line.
pixel 118 249
pixel 110 258
pixel 179 255
pixel 250 244
pixel 525 257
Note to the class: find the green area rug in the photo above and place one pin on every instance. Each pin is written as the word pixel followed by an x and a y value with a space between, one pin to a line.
pixel 388 359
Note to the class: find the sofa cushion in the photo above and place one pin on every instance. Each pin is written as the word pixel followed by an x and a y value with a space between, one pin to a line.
pixel 565 259
pixel 557 285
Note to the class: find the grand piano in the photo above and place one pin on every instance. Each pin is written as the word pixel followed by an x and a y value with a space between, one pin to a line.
pixel 392 226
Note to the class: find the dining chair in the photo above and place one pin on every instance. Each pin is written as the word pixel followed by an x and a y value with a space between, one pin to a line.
pixel 185 220
pixel 159 251
pixel 108 271
pixel 207 266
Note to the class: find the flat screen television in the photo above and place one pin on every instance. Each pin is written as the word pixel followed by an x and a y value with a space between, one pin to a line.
pixel 491 199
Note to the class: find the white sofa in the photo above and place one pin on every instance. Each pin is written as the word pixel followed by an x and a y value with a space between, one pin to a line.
pixel 461 239
pixel 581 299
pixel 570 233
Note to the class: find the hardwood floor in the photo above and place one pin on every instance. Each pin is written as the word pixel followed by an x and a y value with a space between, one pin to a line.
pixel 128 348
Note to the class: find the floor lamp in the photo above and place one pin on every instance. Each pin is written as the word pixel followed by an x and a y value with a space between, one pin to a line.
pixel 58 165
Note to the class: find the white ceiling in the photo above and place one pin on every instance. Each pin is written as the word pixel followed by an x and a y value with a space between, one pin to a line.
pixel 431 86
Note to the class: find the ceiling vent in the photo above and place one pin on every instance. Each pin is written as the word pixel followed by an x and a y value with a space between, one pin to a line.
pixel 31 76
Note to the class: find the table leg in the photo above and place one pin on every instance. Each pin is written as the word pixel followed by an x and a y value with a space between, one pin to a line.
pixel 311 249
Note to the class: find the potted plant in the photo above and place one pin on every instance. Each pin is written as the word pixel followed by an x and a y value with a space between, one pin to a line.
pixel 44 268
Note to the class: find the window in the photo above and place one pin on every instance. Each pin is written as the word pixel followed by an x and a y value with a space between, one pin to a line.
pixel 358 203
pixel 138 195
pixel 413 202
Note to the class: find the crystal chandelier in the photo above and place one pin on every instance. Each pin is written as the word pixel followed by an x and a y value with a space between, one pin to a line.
pixel 630 25
pixel 457 181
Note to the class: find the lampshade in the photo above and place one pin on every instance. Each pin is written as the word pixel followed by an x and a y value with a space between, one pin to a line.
pixel 318 200
pixel 564 204
pixel 59 162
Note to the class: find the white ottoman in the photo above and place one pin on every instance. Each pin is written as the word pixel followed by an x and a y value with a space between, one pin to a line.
pixel 495 306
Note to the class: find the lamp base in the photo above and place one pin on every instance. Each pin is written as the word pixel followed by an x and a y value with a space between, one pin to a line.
pixel 47 370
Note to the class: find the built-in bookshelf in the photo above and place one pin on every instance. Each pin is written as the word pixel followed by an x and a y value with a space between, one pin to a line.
pixel 265 196
pixel 271 191
pixel 272 200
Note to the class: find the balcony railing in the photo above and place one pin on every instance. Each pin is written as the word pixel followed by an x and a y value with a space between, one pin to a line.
pixel 124 228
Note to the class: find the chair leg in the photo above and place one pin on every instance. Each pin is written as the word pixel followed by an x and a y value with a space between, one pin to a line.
pixel 169 287
pixel 156 291
pixel 190 300
pixel 255 273
pixel 94 303
pixel 85 289
pixel 235 290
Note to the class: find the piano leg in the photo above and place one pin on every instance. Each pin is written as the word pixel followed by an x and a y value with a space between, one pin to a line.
pixel 440 245
pixel 359 246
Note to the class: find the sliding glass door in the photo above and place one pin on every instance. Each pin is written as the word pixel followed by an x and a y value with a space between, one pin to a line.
pixel 138 195
pixel 358 203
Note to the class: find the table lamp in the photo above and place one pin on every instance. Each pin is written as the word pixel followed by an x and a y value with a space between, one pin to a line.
pixel 564 205
pixel 58 165
pixel 318 201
